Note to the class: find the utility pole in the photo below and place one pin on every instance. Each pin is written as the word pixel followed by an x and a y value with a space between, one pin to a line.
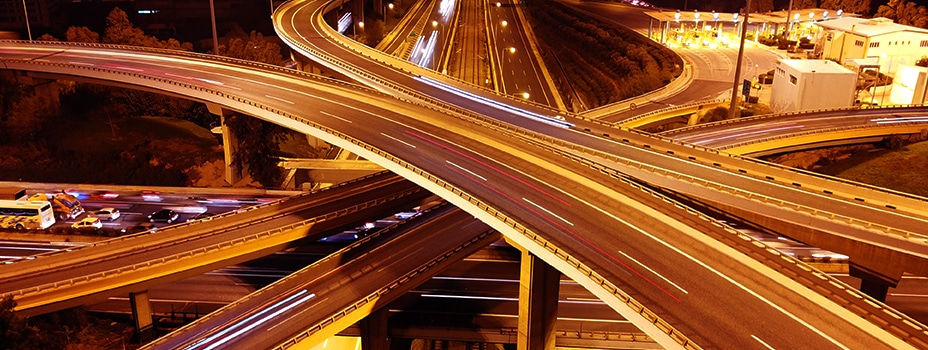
pixel 26 13
pixel 212 14
pixel 734 85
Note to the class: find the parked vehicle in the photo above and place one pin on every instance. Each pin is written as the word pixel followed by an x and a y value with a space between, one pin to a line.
pixel 26 215
pixel 110 214
pixel 141 227
pixel 203 215
pixel 163 215
pixel 90 223
pixel 66 206
pixel 12 193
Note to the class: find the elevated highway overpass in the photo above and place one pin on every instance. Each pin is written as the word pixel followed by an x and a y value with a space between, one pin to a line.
pixel 465 158
pixel 317 299
pixel 779 133
pixel 132 264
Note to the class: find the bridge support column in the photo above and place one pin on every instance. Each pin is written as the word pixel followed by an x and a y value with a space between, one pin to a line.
pixel 229 144
pixel 374 330
pixel 538 288
pixel 693 119
pixel 141 313
pixel 873 283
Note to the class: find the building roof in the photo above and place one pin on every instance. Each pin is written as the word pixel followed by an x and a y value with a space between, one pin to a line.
pixel 868 27
pixel 816 66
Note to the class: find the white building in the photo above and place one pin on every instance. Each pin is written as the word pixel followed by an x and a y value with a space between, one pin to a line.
pixel 811 84
pixel 890 43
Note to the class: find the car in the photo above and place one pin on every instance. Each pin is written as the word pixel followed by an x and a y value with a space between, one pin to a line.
pixel 89 223
pixel 141 227
pixel 164 215
pixel 151 196
pixel 203 215
pixel 108 213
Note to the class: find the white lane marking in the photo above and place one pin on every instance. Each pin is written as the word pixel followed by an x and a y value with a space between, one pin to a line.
pixel 547 211
pixel 335 116
pixel 466 170
pixel 762 342
pixel 279 99
pixel 654 272
pixel 398 140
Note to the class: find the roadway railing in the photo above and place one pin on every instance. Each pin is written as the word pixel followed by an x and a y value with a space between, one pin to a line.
pixel 236 242
pixel 434 102
pixel 372 298
pixel 328 263
pixel 807 112
pixel 848 297
pixel 301 194
pixel 919 237
pixel 840 129
pixel 688 105
pixel 387 61
pixel 889 197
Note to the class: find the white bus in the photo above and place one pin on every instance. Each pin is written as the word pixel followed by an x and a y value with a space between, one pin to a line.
pixel 26 215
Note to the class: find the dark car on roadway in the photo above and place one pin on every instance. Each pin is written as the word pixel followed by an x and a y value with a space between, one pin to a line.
pixel 163 215
pixel 203 215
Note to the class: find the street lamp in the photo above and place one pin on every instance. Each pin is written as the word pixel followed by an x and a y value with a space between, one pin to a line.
pixel 385 8
pixel 26 14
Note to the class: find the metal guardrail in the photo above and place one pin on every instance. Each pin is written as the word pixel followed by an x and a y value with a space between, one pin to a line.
pixel 373 297
pixel 822 177
pixel 647 115
pixel 606 285
pixel 735 191
pixel 821 111
pixel 861 304
pixel 333 259
pixel 817 132
pixel 302 194
pixel 200 251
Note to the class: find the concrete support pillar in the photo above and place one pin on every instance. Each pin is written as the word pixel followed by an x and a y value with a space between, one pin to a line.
pixel 374 330
pixel 229 144
pixel 141 313
pixel 693 119
pixel 872 282
pixel 538 289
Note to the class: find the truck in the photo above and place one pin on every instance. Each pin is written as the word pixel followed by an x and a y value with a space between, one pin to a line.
pixel 12 193
pixel 65 206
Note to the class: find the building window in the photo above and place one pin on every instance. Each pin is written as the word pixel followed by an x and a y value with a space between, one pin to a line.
pixel 873 45
pixel 829 37
pixel 792 79
pixel 859 43
pixel 924 43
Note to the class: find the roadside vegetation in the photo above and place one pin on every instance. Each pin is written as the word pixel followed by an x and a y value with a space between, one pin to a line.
pixel 103 134
pixel 599 64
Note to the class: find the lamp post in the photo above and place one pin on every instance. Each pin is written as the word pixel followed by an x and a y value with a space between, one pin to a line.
pixel 212 15
pixel 385 17
pixel 26 14
pixel 734 87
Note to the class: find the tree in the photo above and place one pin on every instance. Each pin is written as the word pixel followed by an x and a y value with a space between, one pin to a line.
pixel 258 148
pixel 15 332
pixel 81 35
pixel 904 12
pixel 922 62
pixel 861 7
pixel 804 4
pixel 252 47
pixel 761 6
pixel 47 37
pixel 121 32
